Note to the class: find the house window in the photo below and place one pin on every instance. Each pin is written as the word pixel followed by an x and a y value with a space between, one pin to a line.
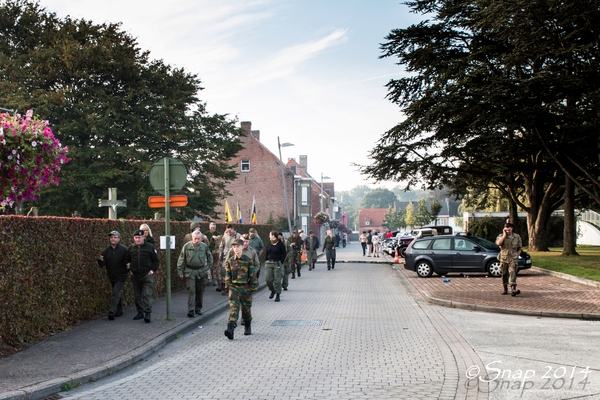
pixel 245 166
pixel 304 195
pixel 293 167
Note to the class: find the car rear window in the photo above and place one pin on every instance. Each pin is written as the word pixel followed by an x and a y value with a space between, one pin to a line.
pixel 421 244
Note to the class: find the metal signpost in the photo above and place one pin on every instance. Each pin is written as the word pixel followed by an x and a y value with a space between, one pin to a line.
pixel 166 175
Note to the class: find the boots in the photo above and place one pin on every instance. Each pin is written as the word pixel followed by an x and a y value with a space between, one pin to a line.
pixel 229 331
pixel 277 297
pixel 299 272
pixel 514 290
pixel 247 329
pixel 505 289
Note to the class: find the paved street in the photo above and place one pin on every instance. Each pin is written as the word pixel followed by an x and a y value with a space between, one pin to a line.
pixel 353 332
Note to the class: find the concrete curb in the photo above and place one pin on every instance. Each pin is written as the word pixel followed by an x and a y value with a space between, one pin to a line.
pixel 566 277
pixel 54 386
pixel 504 310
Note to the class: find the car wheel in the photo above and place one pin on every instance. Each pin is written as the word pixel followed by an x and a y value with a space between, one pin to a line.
pixel 424 270
pixel 494 268
pixel 402 251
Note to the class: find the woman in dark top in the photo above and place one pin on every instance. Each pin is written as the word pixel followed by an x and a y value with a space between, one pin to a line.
pixel 275 256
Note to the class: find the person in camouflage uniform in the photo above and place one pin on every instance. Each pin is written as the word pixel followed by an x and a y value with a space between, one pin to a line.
pixel 240 280
pixel 257 244
pixel 287 264
pixel 227 239
pixel 195 262
pixel 214 238
pixel 295 241
pixel 311 244
pixel 510 248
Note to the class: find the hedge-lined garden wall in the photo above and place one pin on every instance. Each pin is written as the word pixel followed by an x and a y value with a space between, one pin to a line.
pixel 49 276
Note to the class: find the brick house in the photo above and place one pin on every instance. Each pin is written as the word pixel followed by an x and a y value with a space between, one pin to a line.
pixel 371 218
pixel 259 176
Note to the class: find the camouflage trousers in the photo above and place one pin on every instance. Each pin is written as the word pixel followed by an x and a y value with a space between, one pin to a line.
pixel 239 295
pixel 296 262
pixel 509 272
pixel 216 268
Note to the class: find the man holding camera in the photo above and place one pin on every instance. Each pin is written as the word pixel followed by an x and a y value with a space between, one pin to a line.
pixel 510 249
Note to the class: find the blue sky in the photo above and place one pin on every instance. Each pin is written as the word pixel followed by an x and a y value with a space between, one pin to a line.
pixel 304 70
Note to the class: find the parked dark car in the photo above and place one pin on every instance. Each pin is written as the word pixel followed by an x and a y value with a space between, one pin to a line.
pixel 458 253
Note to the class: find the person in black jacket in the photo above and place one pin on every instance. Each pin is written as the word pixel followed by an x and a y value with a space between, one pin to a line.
pixel 275 257
pixel 143 262
pixel 113 259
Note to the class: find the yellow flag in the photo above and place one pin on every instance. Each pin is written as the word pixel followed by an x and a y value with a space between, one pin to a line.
pixel 253 213
pixel 238 214
pixel 227 213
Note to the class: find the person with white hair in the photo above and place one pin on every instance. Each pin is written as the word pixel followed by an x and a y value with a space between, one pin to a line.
pixel 194 263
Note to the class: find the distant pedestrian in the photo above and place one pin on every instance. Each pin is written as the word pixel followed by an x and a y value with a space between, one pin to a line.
pixel 241 282
pixel 194 263
pixel 214 237
pixel 143 260
pixel 375 240
pixel 147 234
pixel 287 264
pixel 303 235
pixel 344 239
pixel 295 241
pixel 311 244
pixel 275 256
pixel 369 243
pixel 258 245
pixel 329 244
pixel 510 248
pixel 363 242
pixel 114 259
pixel 194 226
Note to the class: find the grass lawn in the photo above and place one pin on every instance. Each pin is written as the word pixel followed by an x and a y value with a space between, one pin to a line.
pixel 586 265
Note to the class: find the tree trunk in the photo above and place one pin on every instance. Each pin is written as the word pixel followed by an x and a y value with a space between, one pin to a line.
pixel 514 215
pixel 542 200
pixel 569 232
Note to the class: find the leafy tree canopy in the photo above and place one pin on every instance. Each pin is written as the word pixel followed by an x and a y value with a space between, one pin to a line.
pixel 499 95
pixel 116 110
pixel 378 198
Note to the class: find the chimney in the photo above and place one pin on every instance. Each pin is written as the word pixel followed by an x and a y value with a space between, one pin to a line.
pixel 303 161
pixel 246 127
pixel 256 135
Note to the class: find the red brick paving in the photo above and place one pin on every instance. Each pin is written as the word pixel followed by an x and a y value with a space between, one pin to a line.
pixel 539 293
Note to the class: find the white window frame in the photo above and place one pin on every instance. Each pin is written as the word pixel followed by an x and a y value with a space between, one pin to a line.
pixel 245 163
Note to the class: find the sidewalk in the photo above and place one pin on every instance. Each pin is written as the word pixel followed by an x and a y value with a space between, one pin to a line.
pixel 99 348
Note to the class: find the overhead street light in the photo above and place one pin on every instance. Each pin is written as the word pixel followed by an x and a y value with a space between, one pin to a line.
pixel 285 198
pixel 321 202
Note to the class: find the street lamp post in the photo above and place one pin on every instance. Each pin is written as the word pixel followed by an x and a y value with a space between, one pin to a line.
pixel 321 202
pixel 285 197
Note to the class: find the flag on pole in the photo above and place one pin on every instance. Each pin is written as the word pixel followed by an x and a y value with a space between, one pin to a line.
pixel 253 212
pixel 227 213
pixel 238 214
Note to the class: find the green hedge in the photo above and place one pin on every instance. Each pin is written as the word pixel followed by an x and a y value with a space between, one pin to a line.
pixel 49 276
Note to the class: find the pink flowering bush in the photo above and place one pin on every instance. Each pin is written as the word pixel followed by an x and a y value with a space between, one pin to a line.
pixel 30 158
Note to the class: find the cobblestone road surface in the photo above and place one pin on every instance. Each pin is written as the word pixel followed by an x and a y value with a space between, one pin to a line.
pixel 353 332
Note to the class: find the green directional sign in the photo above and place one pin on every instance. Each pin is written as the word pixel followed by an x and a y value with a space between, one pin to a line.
pixel 177 175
